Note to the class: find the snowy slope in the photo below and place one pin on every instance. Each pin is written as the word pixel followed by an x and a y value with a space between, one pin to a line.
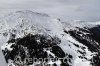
pixel 74 40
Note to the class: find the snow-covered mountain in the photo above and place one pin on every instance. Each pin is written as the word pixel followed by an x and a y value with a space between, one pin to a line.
pixel 27 34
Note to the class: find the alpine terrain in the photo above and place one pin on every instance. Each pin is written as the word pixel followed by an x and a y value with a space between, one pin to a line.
pixel 34 39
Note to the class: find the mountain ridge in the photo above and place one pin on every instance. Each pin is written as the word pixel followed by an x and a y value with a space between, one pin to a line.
pixel 71 34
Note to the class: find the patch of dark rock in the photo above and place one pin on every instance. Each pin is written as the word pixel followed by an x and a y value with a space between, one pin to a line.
pixel 32 46
pixel 66 31
pixel 95 61
pixel 83 53
pixel 86 41
pixel 95 33
pixel 77 45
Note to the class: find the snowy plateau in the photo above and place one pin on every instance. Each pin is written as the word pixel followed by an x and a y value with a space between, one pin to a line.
pixel 27 36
